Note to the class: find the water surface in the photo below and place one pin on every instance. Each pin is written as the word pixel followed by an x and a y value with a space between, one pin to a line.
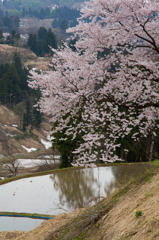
pixel 65 190
pixel 19 224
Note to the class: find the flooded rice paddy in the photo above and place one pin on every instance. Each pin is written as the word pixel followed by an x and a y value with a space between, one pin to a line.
pixel 63 191
pixel 18 224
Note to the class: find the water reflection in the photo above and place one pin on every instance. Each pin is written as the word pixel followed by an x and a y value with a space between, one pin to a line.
pixel 18 224
pixel 125 173
pixel 80 187
pixel 75 187
pixel 71 189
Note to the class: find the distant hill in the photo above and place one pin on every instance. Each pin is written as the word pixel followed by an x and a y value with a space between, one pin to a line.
pixel 36 4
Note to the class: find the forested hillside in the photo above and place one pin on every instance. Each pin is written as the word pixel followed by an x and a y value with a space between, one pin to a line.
pixel 8 23
pixel 14 91
pixel 36 4
pixel 41 42
pixel 20 122
pixel 25 17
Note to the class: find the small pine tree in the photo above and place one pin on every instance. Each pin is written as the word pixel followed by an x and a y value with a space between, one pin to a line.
pixel 50 41
pixel 37 116
pixel 3 90
pixel 25 124
pixel 27 117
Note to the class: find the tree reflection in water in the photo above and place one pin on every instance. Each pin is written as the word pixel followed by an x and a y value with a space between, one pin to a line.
pixel 74 187
pixel 78 187
pixel 125 173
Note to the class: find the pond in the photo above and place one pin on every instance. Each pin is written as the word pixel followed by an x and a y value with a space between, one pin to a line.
pixel 65 190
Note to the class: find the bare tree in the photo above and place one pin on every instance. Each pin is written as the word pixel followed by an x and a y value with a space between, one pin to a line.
pixel 11 165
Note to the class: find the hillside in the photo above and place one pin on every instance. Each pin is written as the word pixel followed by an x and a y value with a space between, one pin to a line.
pixel 32 142
pixel 28 58
pixel 112 219
pixel 13 140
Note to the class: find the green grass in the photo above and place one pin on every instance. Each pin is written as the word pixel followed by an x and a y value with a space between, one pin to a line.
pixel 29 215
pixel 155 163
pixel 80 236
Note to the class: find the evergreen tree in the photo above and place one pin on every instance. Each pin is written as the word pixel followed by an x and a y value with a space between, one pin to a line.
pixel 1 34
pixel 50 41
pixel 64 25
pixel 42 33
pixel 40 43
pixel 13 85
pixel 25 124
pixel 28 113
pixel 3 90
pixel 3 69
pixel 10 85
pixel 27 117
pixel 23 81
pixel 37 117
pixel 15 37
pixel 17 63
pixel 22 72
pixel 32 43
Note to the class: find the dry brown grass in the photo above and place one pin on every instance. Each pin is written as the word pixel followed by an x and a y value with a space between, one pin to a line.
pixel 7 52
pixel 28 58
pixel 12 138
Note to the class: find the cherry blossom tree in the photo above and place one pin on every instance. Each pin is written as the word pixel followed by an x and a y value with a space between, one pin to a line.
pixel 110 82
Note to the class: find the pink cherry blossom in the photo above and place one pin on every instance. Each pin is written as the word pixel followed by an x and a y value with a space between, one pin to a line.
pixel 111 80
